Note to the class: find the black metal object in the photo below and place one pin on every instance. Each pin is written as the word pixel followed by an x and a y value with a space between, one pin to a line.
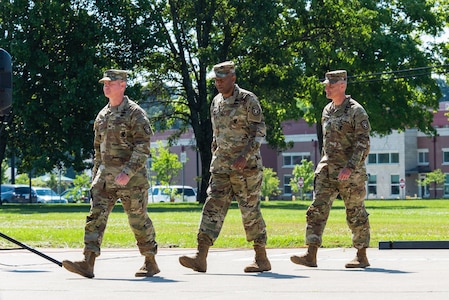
pixel 31 249
pixel 414 245
pixel 5 83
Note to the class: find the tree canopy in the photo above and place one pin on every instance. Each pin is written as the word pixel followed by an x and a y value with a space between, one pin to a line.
pixel 281 48
pixel 305 172
pixel 164 165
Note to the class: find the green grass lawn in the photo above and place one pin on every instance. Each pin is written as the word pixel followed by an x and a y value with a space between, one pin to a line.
pixel 176 224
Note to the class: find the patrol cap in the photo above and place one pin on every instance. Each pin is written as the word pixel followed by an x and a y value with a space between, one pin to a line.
pixel 335 76
pixel 112 74
pixel 223 69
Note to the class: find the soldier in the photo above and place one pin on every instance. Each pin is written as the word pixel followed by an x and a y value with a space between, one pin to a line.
pixel 122 146
pixel 236 169
pixel 341 170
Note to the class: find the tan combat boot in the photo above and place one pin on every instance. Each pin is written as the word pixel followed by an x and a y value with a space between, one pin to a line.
pixel 308 259
pixel 84 267
pixel 261 262
pixel 198 262
pixel 149 267
pixel 360 261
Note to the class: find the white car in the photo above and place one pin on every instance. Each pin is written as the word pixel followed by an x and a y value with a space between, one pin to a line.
pixel 180 193
pixel 47 195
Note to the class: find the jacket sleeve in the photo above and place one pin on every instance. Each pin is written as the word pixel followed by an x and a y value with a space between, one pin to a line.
pixel 142 133
pixel 256 125
pixel 97 153
pixel 362 139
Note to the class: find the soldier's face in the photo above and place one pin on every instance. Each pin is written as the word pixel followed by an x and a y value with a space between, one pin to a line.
pixel 113 88
pixel 225 85
pixel 334 89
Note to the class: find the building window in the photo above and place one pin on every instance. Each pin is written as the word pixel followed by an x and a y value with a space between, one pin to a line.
pixel 446 185
pixel 287 186
pixel 383 158
pixel 423 191
pixel 423 157
pixel 394 158
pixel 395 185
pixel 445 156
pixel 372 184
pixel 292 159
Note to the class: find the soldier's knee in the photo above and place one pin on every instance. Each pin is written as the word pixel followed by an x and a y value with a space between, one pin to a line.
pixel 357 216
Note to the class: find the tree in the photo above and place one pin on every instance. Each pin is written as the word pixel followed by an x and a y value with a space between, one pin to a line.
pixel 81 181
pixel 81 184
pixel 270 183
pixel 164 164
pixel 4 167
pixel 282 48
pixel 51 183
pixel 56 64
pixel 437 177
pixel 305 171
pixel 23 179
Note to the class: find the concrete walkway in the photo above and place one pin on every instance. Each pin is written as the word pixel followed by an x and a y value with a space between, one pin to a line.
pixel 394 274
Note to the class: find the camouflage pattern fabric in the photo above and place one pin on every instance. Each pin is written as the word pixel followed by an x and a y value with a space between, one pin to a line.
pixel 242 186
pixel 346 138
pixel 122 144
pixel 346 143
pixel 239 129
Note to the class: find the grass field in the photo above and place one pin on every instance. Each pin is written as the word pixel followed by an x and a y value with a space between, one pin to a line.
pixel 176 224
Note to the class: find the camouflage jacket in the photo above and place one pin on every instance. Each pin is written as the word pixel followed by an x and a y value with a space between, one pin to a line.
pixel 238 129
pixel 122 139
pixel 346 139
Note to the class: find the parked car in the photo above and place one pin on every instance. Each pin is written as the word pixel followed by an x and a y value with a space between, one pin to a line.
pixel 171 193
pixel 47 195
pixel 7 191
pixel 77 195
pixel 21 194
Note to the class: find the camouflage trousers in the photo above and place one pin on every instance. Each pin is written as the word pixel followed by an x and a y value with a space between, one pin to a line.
pixel 244 187
pixel 353 193
pixel 134 202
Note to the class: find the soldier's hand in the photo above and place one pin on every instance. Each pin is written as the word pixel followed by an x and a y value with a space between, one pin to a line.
pixel 239 163
pixel 344 174
pixel 122 179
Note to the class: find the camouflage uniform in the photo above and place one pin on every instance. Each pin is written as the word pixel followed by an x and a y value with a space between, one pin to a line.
pixel 122 144
pixel 238 129
pixel 346 143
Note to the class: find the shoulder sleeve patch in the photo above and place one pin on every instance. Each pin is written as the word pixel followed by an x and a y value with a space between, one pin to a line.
pixel 365 124
pixel 147 129
pixel 255 113
pixel 255 110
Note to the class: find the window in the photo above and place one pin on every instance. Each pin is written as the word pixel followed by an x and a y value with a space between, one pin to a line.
pixel 395 185
pixel 445 156
pixel 423 157
pixel 384 158
pixel 446 185
pixel 394 158
pixel 292 159
pixel 423 191
pixel 154 191
pixel 189 192
pixel 372 184
pixel 287 187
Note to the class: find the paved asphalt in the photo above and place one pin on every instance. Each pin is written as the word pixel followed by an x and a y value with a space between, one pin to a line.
pixel 394 274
